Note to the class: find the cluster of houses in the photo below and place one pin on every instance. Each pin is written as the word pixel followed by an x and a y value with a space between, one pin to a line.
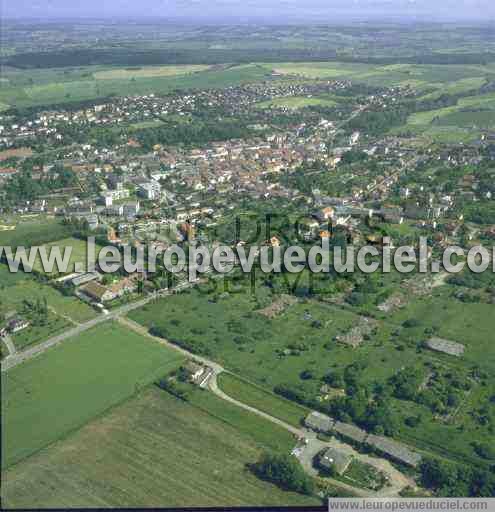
pixel 396 451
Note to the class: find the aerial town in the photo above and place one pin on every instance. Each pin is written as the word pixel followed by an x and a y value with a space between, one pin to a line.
pixel 151 389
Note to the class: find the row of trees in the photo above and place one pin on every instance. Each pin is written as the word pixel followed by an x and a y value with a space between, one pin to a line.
pixel 452 480
pixel 192 134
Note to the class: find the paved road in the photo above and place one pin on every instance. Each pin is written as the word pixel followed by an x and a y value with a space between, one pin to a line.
pixel 10 345
pixel 397 480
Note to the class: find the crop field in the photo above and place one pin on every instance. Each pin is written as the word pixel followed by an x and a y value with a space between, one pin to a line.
pixel 147 72
pixel 297 102
pixel 468 119
pixel 49 396
pixel 456 78
pixel 464 85
pixel 46 87
pixel 25 88
pixel 320 69
pixel 152 450
pixel 482 103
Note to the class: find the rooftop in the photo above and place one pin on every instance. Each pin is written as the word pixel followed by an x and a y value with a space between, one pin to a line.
pixel 446 346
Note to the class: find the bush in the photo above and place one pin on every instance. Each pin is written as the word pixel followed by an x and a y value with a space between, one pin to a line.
pixel 285 471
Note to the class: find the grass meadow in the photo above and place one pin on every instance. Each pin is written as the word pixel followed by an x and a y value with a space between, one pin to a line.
pixel 296 102
pixel 153 450
pixel 46 398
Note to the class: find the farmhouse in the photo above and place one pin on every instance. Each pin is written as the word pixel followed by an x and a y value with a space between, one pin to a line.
pixel 447 347
pixel 126 285
pixel 194 370
pixel 335 460
pixel 17 324
pixel 319 422
pixel 397 451
pixel 97 292
pixel 86 278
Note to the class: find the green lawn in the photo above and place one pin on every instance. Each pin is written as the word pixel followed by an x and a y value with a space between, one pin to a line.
pixel 264 400
pixel 152 451
pixel 49 396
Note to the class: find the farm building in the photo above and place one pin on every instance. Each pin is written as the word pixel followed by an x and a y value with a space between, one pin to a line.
pixel 194 370
pixel 397 451
pixel 451 348
pixel 350 432
pixel 319 422
pixel 97 292
pixel 17 324
pixel 86 278
pixel 335 460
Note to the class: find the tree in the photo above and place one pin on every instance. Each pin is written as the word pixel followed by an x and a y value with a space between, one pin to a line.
pixel 285 471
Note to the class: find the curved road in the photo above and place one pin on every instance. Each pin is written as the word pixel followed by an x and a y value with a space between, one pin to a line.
pixel 397 481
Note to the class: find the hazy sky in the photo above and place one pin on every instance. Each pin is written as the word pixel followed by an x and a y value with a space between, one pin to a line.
pixel 324 11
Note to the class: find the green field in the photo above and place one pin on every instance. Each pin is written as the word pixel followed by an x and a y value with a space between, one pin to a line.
pixel 147 72
pixel 297 102
pixel 78 255
pixel 466 84
pixel 53 325
pixel 290 350
pixel 246 342
pixel 470 324
pixel 33 87
pixel 146 124
pixel 33 231
pixel 47 397
pixel 484 103
pixel 261 399
pixel 24 88
pixel 469 119
pixel 152 451
pixel 21 287
pixel 320 69
pixel 453 78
